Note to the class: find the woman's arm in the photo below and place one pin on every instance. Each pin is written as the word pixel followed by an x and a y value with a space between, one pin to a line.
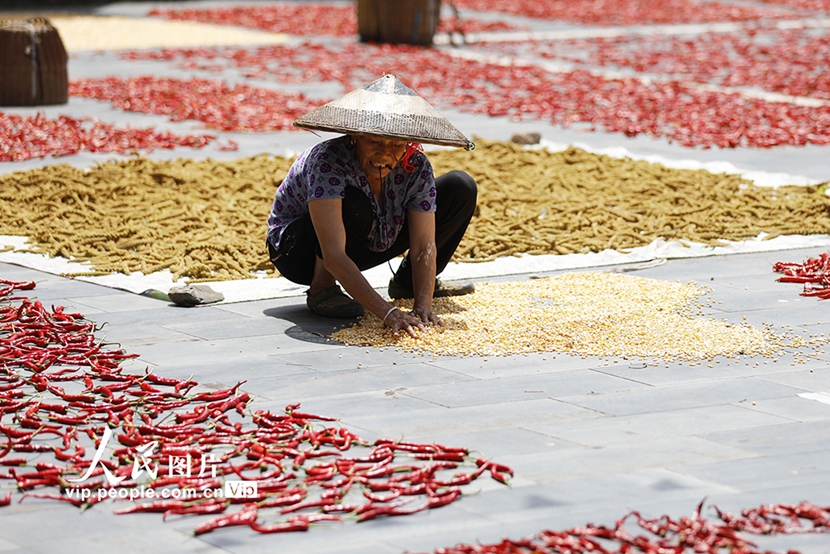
pixel 422 252
pixel 331 234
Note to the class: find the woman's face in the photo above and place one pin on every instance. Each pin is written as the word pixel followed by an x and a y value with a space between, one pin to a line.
pixel 378 156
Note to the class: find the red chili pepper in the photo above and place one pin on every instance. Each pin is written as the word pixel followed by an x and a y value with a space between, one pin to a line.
pixel 13 461
pixel 389 511
pixel 279 528
pixel 246 516
pixel 282 501
pixel 443 500
pixel 217 395
pixel 303 415
pixel 200 509
pixel 159 506
pixel 309 504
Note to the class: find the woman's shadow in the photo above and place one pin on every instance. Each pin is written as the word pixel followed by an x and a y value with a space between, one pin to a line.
pixel 308 326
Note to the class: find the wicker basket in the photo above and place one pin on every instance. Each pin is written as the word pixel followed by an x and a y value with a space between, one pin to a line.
pixel 398 21
pixel 33 64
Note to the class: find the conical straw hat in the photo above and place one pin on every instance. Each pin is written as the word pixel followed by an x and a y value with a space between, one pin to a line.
pixel 385 108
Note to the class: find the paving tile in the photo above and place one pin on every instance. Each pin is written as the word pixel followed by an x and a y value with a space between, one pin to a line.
pixel 657 373
pixel 120 302
pixel 336 358
pixel 627 429
pixel 437 420
pixel 618 492
pixel 790 438
pixel 95 531
pixel 493 367
pixel 584 462
pixel 162 314
pixel 408 377
pixel 350 534
pixel 348 406
pixel 50 288
pixel 797 408
pixel 765 472
pixel 7 546
pixel 141 337
pixel 230 329
pixel 490 391
pixel 497 443
pixel 814 380
pixel 681 396
pixel 229 351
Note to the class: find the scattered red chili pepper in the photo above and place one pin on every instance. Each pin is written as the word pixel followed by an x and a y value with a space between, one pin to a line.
pixel 822 6
pixel 675 109
pixel 665 535
pixel 240 108
pixel 627 12
pixel 792 62
pixel 23 138
pixel 306 19
pixel 246 516
pixel 136 413
pixel 814 273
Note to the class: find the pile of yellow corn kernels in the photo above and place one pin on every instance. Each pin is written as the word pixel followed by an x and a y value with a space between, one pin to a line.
pixel 591 314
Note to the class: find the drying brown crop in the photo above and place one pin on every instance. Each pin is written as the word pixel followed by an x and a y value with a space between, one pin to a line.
pixel 205 220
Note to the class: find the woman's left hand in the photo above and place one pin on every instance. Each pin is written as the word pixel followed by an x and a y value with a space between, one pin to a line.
pixel 426 315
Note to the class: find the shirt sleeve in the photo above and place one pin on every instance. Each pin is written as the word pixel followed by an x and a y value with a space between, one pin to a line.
pixel 422 198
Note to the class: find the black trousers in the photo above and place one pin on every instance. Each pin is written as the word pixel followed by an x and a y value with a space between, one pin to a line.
pixel 455 203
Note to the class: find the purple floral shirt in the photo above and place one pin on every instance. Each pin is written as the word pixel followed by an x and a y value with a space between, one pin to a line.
pixel 325 170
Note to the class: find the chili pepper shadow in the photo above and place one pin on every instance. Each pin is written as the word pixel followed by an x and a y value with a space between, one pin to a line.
pixel 307 327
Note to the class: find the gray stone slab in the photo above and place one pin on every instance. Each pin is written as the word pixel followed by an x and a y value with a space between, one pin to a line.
pixel 7 546
pixel 52 288
pixel 657 373
pixel 384 378
pixel 790 438
pixel 161 313
pixel 338 358
pixel 357 547
pixel 347 407
pixel 681 396
pixel 437 420
pixel 120 302
pixel 627 429
pixel 794 310
pixel 493 367
pixel 816 380
pixel 95 530
pixel 137 338
pixel 227 351
pixel 490 391
pixel 582 463
pixel 734 268
pixel 766 472
pixel 382 530
pixel 498 443
pixel 229 329
pixel 798 409
pixel 584 498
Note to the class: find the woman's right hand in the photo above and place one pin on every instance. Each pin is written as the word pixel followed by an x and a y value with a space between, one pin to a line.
pixel 399 321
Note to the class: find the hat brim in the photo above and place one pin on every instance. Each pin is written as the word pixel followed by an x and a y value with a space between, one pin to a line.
pixel 385 108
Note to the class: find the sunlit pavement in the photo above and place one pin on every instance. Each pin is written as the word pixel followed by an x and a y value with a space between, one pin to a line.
pixel 589 439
